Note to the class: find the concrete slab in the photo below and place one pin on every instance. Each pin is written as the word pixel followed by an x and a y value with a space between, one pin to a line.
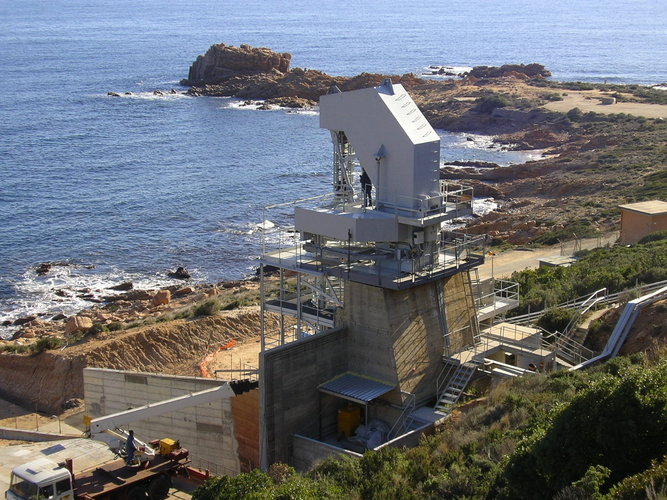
pixel 85 454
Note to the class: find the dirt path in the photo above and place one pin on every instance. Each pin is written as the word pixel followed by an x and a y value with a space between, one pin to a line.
pixel 504 264
pixel 590 100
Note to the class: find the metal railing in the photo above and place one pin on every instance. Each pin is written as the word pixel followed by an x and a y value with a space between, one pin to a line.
pixel 612 298
pixel 245 372
pixel 375 265
pixel 566 347
pixel 408 408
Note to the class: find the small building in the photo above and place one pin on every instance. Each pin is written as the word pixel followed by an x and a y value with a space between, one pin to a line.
pixel 640 219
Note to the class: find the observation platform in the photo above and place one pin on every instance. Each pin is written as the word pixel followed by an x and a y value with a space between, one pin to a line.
pixel 375 266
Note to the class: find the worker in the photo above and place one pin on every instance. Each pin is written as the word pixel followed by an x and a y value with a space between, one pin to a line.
pixel 129 448
pixel 366 188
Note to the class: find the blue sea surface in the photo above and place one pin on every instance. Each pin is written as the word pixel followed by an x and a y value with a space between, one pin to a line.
pixel 128 188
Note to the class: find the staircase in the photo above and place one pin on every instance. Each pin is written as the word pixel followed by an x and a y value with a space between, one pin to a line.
pixel 456 384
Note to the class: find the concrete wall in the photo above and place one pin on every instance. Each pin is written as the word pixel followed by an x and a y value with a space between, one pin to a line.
pixel 290 402
pixel 635 225
pixel 206 430
pixel 460 311
pixel 397 335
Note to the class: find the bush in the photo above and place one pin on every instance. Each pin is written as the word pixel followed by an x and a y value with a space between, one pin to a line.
pixel 555 319
pixel 487 104
pixel 46 343
pixel 208 308
pixel 656 236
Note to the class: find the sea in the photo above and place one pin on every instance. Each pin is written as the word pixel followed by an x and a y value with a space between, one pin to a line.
pixel 117 189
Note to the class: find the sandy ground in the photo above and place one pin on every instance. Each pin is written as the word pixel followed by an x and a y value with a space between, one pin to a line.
pixel 504 264
pixel 241 358
pixel 589 100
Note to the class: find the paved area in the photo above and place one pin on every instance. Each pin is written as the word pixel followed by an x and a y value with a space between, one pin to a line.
pixel 85 453
pixel 504 264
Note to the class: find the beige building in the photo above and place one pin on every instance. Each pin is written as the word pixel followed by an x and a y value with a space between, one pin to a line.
pixel 640 219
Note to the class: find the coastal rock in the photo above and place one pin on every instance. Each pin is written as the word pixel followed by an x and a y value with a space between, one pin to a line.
pixel 180 292
pixel 181 273
pixel 77 324
pixel 137 295
pixel 128 285
pixel 24 320
pixel 162 297
pixel 222 62
pixel 260 73
pixel 533 70
pixel 58 317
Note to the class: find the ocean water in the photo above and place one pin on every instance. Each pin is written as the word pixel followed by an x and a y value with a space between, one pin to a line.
pixel 128 188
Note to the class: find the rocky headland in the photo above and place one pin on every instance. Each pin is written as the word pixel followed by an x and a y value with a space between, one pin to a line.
pixel 573 191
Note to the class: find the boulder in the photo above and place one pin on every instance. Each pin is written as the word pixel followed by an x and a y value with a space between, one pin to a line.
pixel 186 290
pixel 162 297
pixel 77 324
pixel 24 320
pixel 222 62
pixel 181 273
pixel 123 287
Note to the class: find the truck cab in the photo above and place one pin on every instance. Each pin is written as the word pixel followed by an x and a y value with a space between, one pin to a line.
pixel 40 479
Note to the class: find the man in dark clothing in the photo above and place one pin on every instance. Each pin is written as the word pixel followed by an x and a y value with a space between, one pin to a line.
pixel 366 187
pixel 130 448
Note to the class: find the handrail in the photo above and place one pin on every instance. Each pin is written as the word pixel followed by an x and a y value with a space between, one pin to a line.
pixel 573 303
pixel 410 405
pixel 623 326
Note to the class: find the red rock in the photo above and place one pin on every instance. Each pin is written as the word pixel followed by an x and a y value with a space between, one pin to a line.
pixel 162 297
pixel 77 323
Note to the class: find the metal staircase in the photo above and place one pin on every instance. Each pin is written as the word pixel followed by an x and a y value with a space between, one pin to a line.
pixel 456 384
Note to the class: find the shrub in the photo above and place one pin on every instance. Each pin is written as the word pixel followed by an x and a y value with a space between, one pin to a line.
pixel 208 308
pixel 487 104
pixel 555 319
pixel 46 343
pixel 656 236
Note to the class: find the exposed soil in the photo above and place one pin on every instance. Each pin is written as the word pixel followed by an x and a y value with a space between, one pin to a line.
pixel 48 380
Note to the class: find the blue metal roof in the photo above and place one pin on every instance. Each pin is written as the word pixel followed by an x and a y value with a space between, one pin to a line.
pixel 354 387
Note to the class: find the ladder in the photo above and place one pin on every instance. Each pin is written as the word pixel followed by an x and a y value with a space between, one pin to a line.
pixel 455 387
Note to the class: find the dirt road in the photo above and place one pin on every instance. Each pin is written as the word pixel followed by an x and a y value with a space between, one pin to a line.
pixel 504 264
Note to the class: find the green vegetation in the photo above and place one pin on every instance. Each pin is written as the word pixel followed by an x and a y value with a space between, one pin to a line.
pixel 487 104
pixel 555 319
pixel 582 228
pixel 636 92
pixel 595 434
pixel 616 269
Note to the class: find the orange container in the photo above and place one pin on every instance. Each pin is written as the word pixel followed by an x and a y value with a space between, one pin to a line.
pixel 348 420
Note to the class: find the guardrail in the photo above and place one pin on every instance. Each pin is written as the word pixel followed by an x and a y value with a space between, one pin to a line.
pixel 612 298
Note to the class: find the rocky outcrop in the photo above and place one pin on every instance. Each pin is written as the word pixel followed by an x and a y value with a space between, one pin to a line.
pixel 222 62
pixel 259 73
pixel 533 70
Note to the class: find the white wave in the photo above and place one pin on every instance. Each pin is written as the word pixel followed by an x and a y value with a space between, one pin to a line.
pixel 149 95
pixel 482 206
pixel 72 288
pixel 255 104
pixel 264 225
pixel 444 71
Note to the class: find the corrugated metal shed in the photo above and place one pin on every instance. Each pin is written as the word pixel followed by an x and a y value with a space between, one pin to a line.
pixel 355 387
